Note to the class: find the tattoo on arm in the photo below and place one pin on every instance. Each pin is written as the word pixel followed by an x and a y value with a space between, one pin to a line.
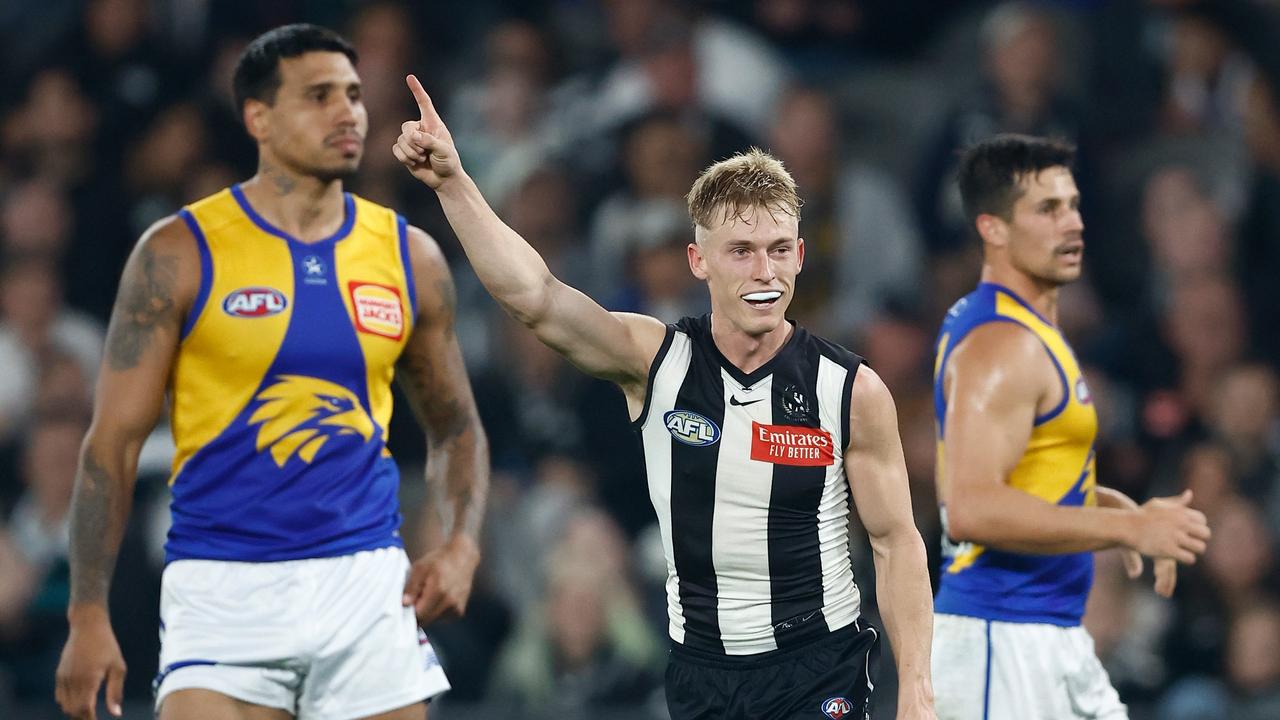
pixel 98 514
pixel 146 300
pixel 448 299
pixel 440 410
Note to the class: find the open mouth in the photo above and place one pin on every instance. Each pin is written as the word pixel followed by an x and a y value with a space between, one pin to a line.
pixel 763 299
pixel 1074 252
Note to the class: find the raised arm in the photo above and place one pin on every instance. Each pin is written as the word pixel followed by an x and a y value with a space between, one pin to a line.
pixel 995 381
pixel 878 480
pixel 156 290
pixel 616 347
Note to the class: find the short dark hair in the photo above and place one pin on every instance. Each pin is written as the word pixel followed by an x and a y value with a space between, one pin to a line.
pixel 257 73
pixel 991 170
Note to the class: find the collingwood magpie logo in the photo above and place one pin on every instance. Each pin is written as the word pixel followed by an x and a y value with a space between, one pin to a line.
pixel 795 406
pixel 299 414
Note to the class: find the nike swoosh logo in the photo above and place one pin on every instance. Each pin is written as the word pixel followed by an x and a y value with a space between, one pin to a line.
pixel 733 400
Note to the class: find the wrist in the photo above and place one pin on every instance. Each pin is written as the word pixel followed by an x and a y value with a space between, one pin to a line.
pixel 84 613
pixel 1128 531
pixel 917 690
pixel 463 543
pixel 456 185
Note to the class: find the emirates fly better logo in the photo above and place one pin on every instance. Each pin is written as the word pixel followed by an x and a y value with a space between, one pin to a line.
pixel 792 445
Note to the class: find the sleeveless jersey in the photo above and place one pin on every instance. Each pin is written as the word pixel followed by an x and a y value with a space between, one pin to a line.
pixel 746 473
pixel 1057 466
pixel 281 390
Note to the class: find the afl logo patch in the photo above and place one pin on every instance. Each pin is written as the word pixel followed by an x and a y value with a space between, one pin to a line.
pixel 254 302
pixel 378 309
pixel 836 708
pixel 1082 392
pixel 691 428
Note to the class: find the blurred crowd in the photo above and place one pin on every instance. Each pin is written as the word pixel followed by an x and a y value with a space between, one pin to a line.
pixel 585 122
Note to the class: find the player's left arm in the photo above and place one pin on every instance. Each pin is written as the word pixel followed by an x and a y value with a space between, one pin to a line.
pixel 434 378
pixel 1166 569
pixel 877 475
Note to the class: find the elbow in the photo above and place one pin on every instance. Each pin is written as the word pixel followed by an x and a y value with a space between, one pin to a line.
pixel 530 305
pixel 964 522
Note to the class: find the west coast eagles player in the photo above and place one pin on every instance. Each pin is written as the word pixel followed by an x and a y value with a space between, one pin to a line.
pixel 274 314
pixel 1022 512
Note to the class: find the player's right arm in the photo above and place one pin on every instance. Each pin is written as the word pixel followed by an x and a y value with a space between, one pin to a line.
pixel 156 289
pixel 613 346
pixel 995 381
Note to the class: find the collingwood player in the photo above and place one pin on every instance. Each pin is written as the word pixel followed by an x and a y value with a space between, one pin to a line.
pixel 755 434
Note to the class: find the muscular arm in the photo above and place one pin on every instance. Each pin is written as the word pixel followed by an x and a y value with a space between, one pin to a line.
pixel 155 293
pixel 878 480
pixel 432 374
pixel 612 346
pixel 996 379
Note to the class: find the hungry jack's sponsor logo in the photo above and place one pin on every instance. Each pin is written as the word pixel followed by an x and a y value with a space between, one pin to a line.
pixel 792 445
pixel 377 308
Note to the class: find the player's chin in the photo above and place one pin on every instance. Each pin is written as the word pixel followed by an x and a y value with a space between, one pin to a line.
pixel 345 170
pixel 1069 274
pixel 757 323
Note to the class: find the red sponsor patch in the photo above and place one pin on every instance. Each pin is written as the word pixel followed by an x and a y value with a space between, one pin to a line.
pixel 792 445
pixel 378 309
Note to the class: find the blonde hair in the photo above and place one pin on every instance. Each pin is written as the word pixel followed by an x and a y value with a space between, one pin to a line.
pixel 735 186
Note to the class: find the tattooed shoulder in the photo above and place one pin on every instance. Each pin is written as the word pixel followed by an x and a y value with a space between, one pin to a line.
pixel 147 299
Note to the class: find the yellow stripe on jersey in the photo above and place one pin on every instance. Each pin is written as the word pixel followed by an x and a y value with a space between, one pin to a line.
pixel 212 382
pixel 374 290
pixel 1061 446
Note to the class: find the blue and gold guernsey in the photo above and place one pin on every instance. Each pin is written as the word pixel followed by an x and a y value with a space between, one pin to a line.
pixel 281 390
pixel 1057 466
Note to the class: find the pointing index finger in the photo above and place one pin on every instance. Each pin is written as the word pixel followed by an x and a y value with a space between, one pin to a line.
pixel 424 101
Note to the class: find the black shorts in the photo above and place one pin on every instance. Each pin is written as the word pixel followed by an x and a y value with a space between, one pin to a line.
pixel 830 679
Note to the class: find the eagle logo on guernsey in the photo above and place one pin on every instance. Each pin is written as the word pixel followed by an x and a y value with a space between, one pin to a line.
pixel 836 708
pixel 691 428
pixel 378 309
pixel 299 414
pixel 254 302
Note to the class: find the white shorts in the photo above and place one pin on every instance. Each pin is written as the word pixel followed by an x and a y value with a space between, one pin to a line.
pixel 323 638
pixel 991 670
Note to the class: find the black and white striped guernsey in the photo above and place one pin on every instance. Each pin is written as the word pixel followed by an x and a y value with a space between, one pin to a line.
pixel 746 473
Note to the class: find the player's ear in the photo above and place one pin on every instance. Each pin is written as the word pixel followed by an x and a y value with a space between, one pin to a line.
pixel 799 254
pixel 697 263
pixel 992 229
pixel 256 119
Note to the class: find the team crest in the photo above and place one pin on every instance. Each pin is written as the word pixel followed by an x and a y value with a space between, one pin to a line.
pixel 314 270
pixel 299 414
pixel 795 406
pixel 691 428
pixel 1082 392
pixel 837 708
